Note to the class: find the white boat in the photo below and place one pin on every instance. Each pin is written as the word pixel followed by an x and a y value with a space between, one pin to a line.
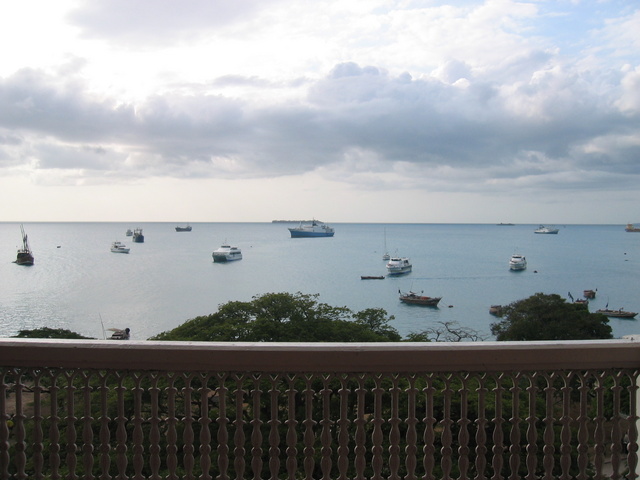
pixel 119 334
pixel 227 253
pixel 119 247
pixel 129 232
pixel 313 229
pixel 398 266
pixel 547 230
pixel 517 262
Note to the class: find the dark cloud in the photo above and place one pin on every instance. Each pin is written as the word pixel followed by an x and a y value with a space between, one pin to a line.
pixel 543 132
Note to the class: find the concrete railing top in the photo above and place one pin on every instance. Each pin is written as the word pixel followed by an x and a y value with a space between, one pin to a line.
pixel 320 357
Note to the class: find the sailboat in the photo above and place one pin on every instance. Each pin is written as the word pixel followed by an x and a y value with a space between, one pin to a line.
pixel 386 255
pixel 25 257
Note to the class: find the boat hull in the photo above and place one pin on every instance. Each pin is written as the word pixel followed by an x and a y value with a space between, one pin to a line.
pixel 306 234
pixel 223 258
pixel 617 313
pixel 398 271
pixel 420 300
pixel 24 258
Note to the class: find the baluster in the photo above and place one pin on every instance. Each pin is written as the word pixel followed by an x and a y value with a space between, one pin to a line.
pixel 394 433
pixel 532 431
pixel 274 424
pixel 256 431
pixel 54 431
pixel 38 433
pixel 514 436
pixel 292 423
pixel 360 422
pixel 188 435
pixel 72 447
pixel 429 430
pixel 87 430
pixel 18 430
pixel 565 431
pixel 616 432
pixel 327 425
pixel 599 419
pixel 583 429
pixel 309 424
pixel 105 434
pixel 223 433
pixel 205 432
pixel 172 434
pixel 447 436
pixel 411 450
pixel 377 460
pixel 138 436
pixel 548 449
pixel 463 422
pixel 239 423
pixel 481 425
pixel 121 430
pixel 343 429
pixel 154 429
pixel 498 437
pixel 4 425
pixel 632 435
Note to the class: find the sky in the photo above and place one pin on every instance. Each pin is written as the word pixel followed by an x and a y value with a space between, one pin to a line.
pixel 390 111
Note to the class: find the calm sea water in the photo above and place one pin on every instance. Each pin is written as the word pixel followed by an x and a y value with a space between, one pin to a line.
pixel 76 281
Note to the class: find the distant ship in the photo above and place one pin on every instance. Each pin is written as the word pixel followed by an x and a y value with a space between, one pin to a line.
pixel 138 237
pixel 631 228
pixel 314 229
pixel 25 257
pixel 183 229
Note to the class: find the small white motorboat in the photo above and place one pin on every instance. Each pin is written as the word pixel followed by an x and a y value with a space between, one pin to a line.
pixel 227 253
pixel 119 247
pixel 547 230
pixel 398 266
pixel 517 262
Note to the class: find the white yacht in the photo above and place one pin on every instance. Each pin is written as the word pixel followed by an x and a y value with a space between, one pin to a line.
pixel 119 247
pixel 398 266
pixel 517 262
pixel 227 253
pixel 547 230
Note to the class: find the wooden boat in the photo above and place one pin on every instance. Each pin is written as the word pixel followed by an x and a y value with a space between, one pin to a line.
pixel 415 299
pixel 589 294
pixel 25 256
pixel 371 277
pixel 495 310
pixel 616 313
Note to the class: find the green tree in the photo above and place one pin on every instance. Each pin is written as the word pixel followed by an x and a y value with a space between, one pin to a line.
pixel 46 332
pixel 286 317
pixel 549 317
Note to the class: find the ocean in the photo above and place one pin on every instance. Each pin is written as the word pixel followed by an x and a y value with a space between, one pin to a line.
pixel 78 284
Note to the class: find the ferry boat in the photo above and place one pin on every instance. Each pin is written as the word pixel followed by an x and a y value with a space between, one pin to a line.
pixel 226 253
pixel 314 229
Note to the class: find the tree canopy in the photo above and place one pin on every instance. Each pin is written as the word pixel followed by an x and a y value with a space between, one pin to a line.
pixel 46 332
pixel 549 317
pixel 286 317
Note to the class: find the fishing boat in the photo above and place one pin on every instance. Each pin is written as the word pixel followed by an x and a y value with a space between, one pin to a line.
pixel 25 256
pixel 314 229
pixel 617 313
pixel 517 262
pixel 226 253
pixel 399 266
pixel 546 230
pixel 413 298
pixel 183 229
pixel 631 228
pixel 138 237
pixel 589 293
pixel 129 232
pixel 119 247
pixel 495 310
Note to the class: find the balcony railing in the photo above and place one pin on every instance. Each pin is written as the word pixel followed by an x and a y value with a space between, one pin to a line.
pixel 105 409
